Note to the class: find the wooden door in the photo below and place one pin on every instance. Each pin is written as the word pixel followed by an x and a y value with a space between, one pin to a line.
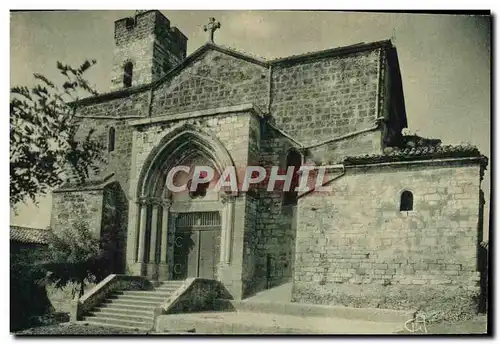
pixel 196 245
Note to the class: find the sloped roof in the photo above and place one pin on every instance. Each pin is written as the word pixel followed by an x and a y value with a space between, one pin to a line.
pixel 417 153
pixel 89 185
pixel 29 235
pixel 338 51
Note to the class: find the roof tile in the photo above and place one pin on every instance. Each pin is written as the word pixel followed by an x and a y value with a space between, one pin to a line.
pixel 29 235
pixel 414 153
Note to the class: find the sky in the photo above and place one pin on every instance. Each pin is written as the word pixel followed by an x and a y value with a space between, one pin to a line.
pixel 444 60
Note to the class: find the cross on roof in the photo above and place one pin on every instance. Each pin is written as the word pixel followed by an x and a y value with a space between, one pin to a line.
pixel 211 27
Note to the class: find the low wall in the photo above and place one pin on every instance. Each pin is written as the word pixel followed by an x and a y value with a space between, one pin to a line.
pixel 438 302
pixel 196 295
pixel 110 284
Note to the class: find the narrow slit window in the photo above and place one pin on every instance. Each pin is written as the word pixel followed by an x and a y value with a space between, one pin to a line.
pixel 406 201
pixel 111 139
pixel 128 70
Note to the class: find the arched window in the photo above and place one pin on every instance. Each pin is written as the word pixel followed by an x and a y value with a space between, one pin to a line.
pixel 111 139
pixel 293 159
pixel 127 74
pixel 406 201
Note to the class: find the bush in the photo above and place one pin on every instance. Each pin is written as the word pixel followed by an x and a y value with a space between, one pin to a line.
pixel 28 297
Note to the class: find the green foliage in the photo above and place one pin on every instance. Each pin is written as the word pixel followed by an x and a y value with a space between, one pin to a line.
pixel 28 297
pixel 45 149
pixel 75 257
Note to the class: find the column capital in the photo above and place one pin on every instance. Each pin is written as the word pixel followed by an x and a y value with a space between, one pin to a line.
pixel 143 200
pixel 227 198
pixel 166 203
pixel 151 201
pixel 158 201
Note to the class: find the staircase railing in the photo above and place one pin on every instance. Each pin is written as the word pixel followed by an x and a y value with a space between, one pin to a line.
pixel 101 291
pixel 196 294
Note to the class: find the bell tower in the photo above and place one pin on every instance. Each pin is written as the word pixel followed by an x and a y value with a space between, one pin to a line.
pixel 146 47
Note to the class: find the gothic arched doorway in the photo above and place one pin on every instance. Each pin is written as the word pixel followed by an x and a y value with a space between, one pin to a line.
pixel 186 233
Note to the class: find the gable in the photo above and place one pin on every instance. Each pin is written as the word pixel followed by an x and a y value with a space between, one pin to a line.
pixel 213 79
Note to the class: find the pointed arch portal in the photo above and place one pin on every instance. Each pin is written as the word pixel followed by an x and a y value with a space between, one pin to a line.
pixel 178 235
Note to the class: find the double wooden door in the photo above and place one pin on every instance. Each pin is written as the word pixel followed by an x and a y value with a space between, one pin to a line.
pixel 196 245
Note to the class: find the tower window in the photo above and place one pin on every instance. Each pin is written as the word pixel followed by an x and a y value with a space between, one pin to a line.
pixel 129 23
pixel 127 74
pixel 406 201
pixel 111 139
pixel 293 159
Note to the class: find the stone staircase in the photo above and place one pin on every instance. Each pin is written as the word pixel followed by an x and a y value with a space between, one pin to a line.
pixel 132 309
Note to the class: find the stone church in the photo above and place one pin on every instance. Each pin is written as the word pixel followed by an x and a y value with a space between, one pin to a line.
pixel 401 210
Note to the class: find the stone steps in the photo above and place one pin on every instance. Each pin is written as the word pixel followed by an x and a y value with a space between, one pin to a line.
pixel 142 298
pixel 121 325
pixel 110 314
pixel 131 309
pixel 143 311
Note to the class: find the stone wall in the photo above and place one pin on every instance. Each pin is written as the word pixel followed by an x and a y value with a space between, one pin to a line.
pixel 253 276
pixel 356 236
pixel 274 236
pixel 315 101
pixel 213 80
pixel 335 152
pixel 114 227
pixel 71 207
pixel 116 106
pixel 118 160
pixel 148 41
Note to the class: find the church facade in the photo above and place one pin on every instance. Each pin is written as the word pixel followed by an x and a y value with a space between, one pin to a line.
pixel 400 210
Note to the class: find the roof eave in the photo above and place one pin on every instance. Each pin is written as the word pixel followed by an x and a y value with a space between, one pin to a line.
pixel 339 51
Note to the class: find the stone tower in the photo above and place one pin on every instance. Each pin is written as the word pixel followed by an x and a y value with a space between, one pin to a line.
pixel 146 47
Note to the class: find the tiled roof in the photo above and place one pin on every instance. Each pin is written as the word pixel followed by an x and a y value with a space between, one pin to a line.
pixel 416 153
pixel 337 51
pixel 91 184
pixel 239 51
pixel 29 235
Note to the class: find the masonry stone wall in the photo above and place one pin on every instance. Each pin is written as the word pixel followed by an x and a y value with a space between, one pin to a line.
pixel 317 100
pixel 134 105
pixel 335 152
pixel 70 207
pixel 356 236
pixel 148 41
pixel 118 160
pixel 213 80
pixel 114 221
pixel 274 236
pixel 253 276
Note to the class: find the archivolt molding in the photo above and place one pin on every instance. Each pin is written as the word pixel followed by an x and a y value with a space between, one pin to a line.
pixel 177 145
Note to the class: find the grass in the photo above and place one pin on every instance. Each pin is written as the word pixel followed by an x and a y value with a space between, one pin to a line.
pixel 67 329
